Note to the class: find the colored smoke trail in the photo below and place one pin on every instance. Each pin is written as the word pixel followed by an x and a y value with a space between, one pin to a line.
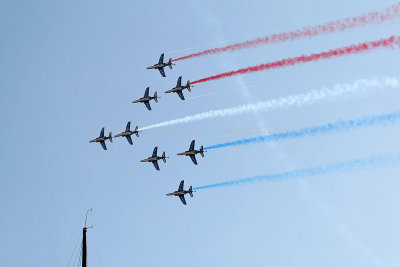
pixel 355 88
pixel 343 51
pixel 339 167
pixel 336 127
pixel 194 47
pixel 373 17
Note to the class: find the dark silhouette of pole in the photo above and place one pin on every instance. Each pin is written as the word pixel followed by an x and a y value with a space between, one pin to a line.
pixel 84 248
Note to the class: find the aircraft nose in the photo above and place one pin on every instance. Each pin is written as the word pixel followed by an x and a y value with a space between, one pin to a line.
pixel 148 68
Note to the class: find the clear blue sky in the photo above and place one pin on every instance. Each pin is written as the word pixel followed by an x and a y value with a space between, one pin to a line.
pixel 69 68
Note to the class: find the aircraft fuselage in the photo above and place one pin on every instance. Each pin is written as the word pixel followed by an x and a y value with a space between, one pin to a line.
pixel 143 99
pixel 176 89
pixel 177 193
pixel 98 139
pixel 126 133
pixel 158 66
pixel 188 153
pixel 150 159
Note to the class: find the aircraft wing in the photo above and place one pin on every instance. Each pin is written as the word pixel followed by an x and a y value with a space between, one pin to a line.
pixel 193 157
pixel 128 126
pixel 192 145
pixel 179 82
pixel 128 137
pixel 146 93
pixel 103 144
pixel 182 197
pixel 161 58
pixel 102 132
pixel 147 104
pixel 181 185
pixel 181 95
pixel 162 71
pixel 155 163
pixel 155 151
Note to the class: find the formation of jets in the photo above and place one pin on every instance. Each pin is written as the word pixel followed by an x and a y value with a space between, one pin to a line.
pixel 154 158
pixel 177 89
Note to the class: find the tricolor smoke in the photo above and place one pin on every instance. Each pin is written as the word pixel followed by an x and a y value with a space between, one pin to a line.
pixel 393 41
pixel 345 166
pixel 355 88
pixel 335 127
pixel 373 17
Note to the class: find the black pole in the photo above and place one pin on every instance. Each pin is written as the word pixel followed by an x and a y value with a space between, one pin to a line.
pixel 84 252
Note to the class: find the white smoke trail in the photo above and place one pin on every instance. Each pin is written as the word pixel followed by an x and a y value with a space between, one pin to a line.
pixel 355 88
pixel 199 96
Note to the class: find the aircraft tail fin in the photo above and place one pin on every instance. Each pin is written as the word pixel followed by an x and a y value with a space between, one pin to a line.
pixel 188 86
pixel 170 63
pixel 164 158
pixel 110 136
pixel 191 191
pixel 155 97
pixel 202 151
pixel 137 131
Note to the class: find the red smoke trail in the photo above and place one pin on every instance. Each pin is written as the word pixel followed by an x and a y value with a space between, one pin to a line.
pixel 347 50
pixel 309 31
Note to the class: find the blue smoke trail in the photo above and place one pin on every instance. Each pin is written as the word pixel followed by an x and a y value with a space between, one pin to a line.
pixel 335 127
pixel 355 164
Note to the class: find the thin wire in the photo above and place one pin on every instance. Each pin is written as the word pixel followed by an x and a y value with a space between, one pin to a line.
pixel 76 257
pixel 80 257
pixel 76 244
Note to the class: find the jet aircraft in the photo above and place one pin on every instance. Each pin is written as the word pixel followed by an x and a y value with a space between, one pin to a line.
pixel 192 152
pixel 146 99
pixel 181 192
pixel 160 65
pixel 128 133
pixel 179 88
pixel 102 139
pixel 154 159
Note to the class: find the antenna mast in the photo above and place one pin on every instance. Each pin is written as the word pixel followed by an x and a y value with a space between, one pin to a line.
pixel 84 248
